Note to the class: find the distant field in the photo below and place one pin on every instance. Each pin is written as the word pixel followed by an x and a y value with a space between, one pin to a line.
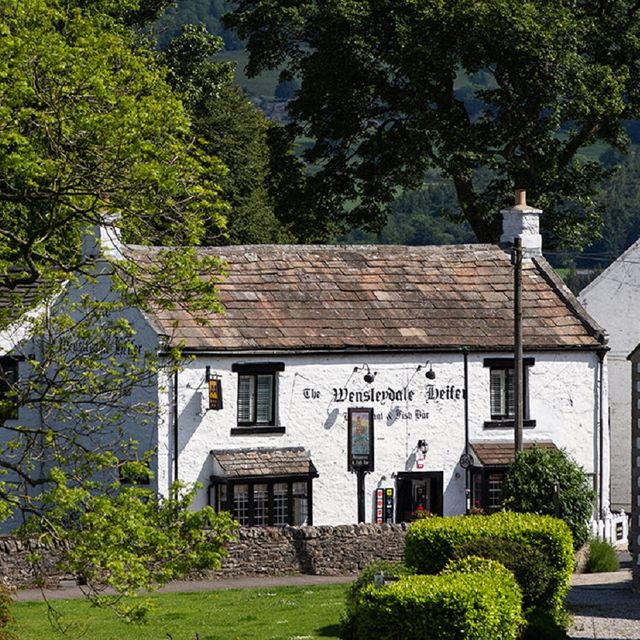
pixel 289 613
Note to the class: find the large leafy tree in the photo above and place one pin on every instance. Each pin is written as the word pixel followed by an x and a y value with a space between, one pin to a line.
pixel 264 184
pixel 383 96
pixel 90 128
pixel 92 132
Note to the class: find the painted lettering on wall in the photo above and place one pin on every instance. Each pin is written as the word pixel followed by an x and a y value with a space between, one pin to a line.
pixel 450 392
pixel 373 395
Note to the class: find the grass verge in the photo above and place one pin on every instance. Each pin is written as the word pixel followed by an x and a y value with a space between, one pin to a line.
pixel 286 613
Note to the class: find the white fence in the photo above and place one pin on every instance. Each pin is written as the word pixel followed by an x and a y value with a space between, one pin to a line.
pixel 613 528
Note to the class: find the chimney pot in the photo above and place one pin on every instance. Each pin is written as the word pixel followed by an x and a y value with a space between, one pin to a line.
pixel 522 221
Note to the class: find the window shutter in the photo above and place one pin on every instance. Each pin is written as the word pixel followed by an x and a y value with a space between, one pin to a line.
pixel 264 399
pixel 245 394
pixel 497 393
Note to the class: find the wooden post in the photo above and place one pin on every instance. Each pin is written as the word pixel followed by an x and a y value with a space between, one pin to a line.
pixel 517 348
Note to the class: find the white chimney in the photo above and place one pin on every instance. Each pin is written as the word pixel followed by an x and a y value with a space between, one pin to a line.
pixel 103 239
pixel 522 221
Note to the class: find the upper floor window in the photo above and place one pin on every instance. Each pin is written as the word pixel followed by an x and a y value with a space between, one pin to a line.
pixel 257 395
pixel 502 391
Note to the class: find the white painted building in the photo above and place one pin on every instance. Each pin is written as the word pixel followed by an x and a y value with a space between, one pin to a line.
pixel 414 342
pixel 611 299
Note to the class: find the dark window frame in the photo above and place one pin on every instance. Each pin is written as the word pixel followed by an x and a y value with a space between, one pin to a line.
pixel 270 481
pixel 253 370
pixel 499 421
pixel 484 473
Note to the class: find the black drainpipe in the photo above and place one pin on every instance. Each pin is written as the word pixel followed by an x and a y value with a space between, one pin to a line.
pixel 175 426
pixel 601 355
pixel 467 471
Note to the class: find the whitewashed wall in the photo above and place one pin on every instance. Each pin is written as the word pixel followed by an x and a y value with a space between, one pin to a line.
pixel 611 300
pixel 563 400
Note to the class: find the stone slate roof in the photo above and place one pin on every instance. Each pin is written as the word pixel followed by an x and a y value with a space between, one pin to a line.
pixel 246 463
pixel 501 453
pixel 287 297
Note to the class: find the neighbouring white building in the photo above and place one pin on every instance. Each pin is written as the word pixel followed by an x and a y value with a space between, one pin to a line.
pixel 397 360
pixel 611 299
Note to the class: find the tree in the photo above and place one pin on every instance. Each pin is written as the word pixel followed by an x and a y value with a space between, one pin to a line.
pixel 264 184
pixel 90 128
pixel 549 482
pixel 92 133
pixel 385 95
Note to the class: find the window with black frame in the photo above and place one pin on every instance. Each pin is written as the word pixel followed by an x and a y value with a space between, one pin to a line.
pixel 502 391
pixel 257 400
pixel 266 502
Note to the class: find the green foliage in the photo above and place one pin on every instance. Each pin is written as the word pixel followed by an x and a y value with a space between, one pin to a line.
pixel 528 564
pixel 429 215
pixel 90 129
pixel 366 577
pixel 431 543
pixel 469 601
pixel 131 540
pixel 6 616
pixel 204 12
pixel 602 557
pixel 548 80
pixel 263 178
pixel 549 482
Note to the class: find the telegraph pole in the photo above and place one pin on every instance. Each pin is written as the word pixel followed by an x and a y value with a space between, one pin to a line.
pixel 517 347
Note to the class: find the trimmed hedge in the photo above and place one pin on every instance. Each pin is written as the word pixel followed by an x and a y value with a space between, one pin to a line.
pixel 432 542
pixel 390 569
pixel 477 599
pixel 527 563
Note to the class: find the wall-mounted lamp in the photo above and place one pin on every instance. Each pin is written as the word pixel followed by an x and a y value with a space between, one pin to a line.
pixel 423 447
pixel 431 374
pixel 368 377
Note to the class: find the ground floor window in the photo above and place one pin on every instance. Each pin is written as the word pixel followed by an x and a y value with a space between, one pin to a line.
pixel 487 488
pixel 260 502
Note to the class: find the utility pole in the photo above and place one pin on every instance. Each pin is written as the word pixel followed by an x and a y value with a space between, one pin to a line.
pixel 517 347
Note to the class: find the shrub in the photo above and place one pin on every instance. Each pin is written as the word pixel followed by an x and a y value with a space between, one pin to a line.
pixel 482 602
pixel 5 615
pixel 365 577
pixel 549 482
pixel 602 557
pixel 528 564
pixel 431 543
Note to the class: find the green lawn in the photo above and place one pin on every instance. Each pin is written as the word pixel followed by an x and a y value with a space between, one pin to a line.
pixel 286 613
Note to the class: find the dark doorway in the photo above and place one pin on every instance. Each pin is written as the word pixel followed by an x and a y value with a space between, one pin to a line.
pixel 419 494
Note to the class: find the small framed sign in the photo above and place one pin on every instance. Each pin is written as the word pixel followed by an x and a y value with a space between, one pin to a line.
pixel 215 394
pixel 360 439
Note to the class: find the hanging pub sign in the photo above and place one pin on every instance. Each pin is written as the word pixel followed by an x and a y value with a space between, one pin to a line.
pixel 360 439
pixel 215 394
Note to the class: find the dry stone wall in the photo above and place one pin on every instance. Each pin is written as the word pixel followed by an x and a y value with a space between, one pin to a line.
pixel 325 550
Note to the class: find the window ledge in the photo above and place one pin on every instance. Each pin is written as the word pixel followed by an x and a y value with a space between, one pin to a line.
pixel 248 431
pixel 508 424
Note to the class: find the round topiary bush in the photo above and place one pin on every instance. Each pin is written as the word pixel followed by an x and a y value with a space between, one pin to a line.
pixel 476 598
pixel 549 482
pixel 527 563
